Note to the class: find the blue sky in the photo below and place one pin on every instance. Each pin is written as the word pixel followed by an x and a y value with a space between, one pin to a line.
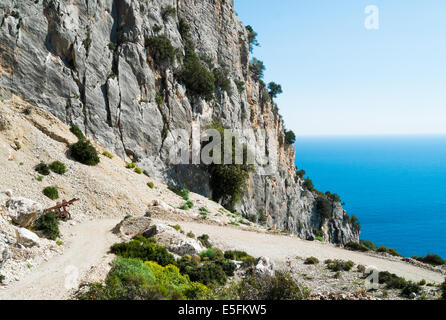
pixel 340 78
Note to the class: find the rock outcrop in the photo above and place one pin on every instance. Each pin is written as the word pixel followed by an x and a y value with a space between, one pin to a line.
pixel 23 211
pixel 27 238
pixel 89 63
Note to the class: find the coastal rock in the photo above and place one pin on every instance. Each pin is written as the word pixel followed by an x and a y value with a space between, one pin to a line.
pixel 23 211
pixel 100 74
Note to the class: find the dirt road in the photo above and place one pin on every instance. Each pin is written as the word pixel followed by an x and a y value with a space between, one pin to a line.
pixel 279 248
pixel 86 245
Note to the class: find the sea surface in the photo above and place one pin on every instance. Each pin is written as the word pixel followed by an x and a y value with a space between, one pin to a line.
pixel 396 185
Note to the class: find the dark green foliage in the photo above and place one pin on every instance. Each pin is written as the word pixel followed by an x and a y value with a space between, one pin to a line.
pixel 290 137
pixel 209 273
pixel 48 225
pixel 204 239
pixel 301 173
pixel 144 249
pixel 333 197
pixel 183 193
pixel 77 132
pixel 323 208
pixel 84 152
pixel 410 288
pixel 308 184
pixel 318 232
pixel 51 192
pixel 257 68
pixel 43 169
pixel 236 255
pixel 262 219
pixel 2 278
pixel 167 12
pixel 196 77
pixel 184 29
pixel 209 254
pixel 274 89
pixel 161 49
pixel 355 246
pixel 392 281
pixel 228 181
pixel 252 38
pixel 311 260
pixel 339 265
pixel 228 267
pixel 390 251
pixel 58 167
pixel 369 244
pixel 222 80
pixel 278 287
pixel 432 259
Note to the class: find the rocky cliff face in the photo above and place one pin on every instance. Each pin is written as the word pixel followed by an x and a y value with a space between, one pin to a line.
pixel 88 63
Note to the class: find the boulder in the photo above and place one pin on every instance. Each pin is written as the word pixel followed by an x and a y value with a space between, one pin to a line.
pixel 264 266
pixel 161 204
pixel 27 238
pixel 175 241
pixel 131 227
pixel 23 211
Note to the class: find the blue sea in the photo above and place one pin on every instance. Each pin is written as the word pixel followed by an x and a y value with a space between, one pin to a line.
pixel 396 185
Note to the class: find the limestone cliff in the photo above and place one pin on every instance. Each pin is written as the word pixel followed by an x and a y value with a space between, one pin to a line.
pixel 88 63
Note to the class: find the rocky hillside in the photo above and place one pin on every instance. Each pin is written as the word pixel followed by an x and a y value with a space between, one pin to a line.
pixel 129 73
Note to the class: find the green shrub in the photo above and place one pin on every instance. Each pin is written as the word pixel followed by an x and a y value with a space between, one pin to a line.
pixel 390 251
pixel 308 184
pixel 177 228
pixel 323 208
pixel 159 99
pixel 58 167
pixel 274 90
pixel 190 204
pixel 222 79
pixel 301 173
pixel 278 287
pixel 369 244
pixel 77 132
pixel 167 12
pixel 161 49
pixel 262 219
pixel 130 165
pixel 229 181
pixel 144 249
pixel 320 239
pixel 132 279
pixel 318 233
pixel 196 77
pixel 183 193
pixel 334 197
pixel 257 69
pixel 339 265
pixel 204 239
pixel 84 152
pixel 42 168
pixel 107 154
pixel 432 259
pixel 190 234
pixel 51 192
pixel 422 282
pixel 290 137
pixel 235 255
pixel 209 273
pixel 252 38
pixel 203 209
pixel 48 225
pixel 311 260
pixel 2 278
pixel 138 170
pixel 40 178
pixel 150 185
pixel 355 246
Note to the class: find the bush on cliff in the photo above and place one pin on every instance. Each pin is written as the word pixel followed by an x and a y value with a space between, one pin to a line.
pixel 84 152
pixel 58 167
pixel 432 259
pixel 323 208
pixel 77 132
pixel 43 169
pixel 51 192
pixel 196 77
pixel 161 49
